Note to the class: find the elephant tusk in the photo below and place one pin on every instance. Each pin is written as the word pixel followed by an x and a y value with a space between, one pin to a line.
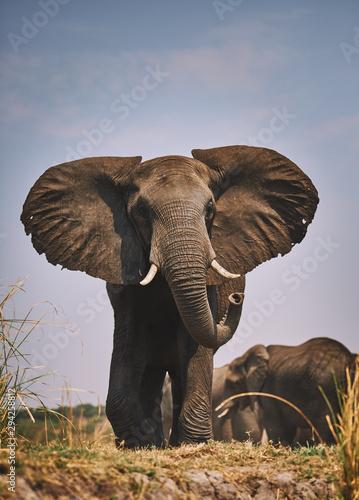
pixel 224 413
pixel 150 275
pixel 223 272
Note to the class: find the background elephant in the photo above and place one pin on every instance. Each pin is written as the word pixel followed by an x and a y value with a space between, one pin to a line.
pixel 236 423
pixel 169 223
pixel 293 373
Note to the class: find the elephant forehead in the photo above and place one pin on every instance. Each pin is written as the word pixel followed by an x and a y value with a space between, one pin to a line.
pixel 172 169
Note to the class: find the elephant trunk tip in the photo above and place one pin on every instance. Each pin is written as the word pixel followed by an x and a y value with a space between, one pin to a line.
pixel 235 301
pixel 236 298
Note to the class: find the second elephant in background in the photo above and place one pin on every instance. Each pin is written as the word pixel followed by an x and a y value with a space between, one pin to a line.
pixel 295 374
pixel 233 422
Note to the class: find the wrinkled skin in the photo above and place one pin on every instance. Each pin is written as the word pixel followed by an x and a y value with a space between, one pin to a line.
pixel 183 218
pixel 242 425
pixel 238 424
pixel 293 373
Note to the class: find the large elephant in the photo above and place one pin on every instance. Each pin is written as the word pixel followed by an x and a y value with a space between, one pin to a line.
pixel 295 374
pixel 169 223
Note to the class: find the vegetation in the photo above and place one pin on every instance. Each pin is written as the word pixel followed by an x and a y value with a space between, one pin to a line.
pixel 345 429
pixel 18 379
pixel 68 425
pixel 15 386
pixel 73 447
pixel 101 463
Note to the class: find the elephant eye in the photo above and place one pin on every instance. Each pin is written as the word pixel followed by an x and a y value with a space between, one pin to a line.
pixel 209 210
pixel 143 212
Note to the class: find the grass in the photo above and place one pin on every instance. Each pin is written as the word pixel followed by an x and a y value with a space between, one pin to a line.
pixel 74 447
pixel 20 383
pixel 15 386
pixel 239 462
pixel 83 423
pixel 345 429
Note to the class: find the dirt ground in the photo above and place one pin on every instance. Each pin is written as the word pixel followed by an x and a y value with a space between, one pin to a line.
pixel 213 470
pixel 194 483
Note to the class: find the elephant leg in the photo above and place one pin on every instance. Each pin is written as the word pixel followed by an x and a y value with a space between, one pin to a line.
pixel 279 429
pixel 196 364
pixel 123 405
pixel 150 396
pixel 227 431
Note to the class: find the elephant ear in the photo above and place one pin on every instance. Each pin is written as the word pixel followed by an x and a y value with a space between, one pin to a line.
pixel 264 205
pixel 77 216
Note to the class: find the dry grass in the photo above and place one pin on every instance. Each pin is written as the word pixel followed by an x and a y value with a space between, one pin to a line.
pixel 345 429
pixel 20 383
pixel 237 462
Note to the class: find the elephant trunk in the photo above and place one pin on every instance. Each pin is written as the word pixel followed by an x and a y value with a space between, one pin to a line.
pixel 193 306
pixel 183 257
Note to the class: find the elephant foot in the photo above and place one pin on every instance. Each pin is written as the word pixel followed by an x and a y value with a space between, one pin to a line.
pixel 194 435
pixel 194 440
pixel 136 442
pixel 141 436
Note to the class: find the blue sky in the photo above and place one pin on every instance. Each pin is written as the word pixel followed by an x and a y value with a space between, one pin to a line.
pixel 91 78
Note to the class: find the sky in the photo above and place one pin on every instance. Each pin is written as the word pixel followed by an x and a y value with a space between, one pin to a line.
pixel 92 78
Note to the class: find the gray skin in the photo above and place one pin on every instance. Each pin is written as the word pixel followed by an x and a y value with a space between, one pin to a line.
pixel 293 373
pixel 117 219
pixel 243 424
pixel 238 424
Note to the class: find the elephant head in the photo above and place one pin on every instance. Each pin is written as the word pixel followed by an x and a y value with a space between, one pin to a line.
pixel 122 220
pixel 245 374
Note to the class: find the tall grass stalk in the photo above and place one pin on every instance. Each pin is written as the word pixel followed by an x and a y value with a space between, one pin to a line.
pixel 345 429
pixel 16 373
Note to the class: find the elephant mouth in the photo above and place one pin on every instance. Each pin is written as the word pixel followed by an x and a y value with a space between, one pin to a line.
pixel 214 265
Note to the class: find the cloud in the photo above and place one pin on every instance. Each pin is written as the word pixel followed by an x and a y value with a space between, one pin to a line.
pixel 292 15
pixel 235 68
pixel 71 86
pixel 61 93
pixel 85 29
pixel 344 127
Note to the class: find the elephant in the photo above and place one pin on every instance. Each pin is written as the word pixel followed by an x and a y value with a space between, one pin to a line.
pixel 295 374
pixel 243 425
pixel 173 237
pixel 233 423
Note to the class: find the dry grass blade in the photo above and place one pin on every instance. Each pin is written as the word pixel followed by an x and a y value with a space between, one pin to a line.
pixel 273 396
pixel 14 333
pixel 345 429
